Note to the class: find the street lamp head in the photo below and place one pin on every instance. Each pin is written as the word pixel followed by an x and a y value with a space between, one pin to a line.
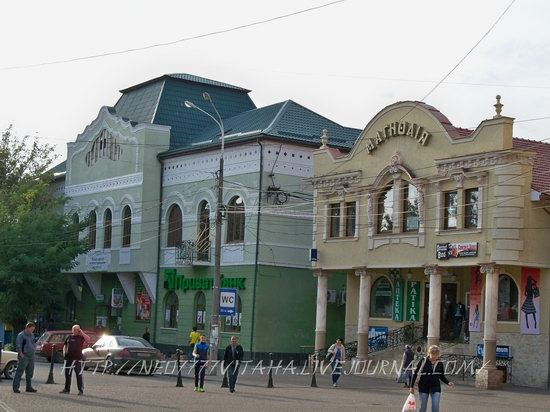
pixel 206 97
pixel 189 105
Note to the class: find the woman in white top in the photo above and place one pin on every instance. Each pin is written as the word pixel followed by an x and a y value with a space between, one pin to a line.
pixel 337 356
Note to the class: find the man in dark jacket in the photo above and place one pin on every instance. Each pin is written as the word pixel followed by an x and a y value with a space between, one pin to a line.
pixel 72 350
pixel 24 345
pixel 231 360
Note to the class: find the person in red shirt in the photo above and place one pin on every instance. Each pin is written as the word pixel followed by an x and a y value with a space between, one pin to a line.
pixel 72 351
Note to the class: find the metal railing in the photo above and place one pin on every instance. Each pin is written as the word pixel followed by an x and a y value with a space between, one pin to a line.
pixel 467 366
pixel 189 251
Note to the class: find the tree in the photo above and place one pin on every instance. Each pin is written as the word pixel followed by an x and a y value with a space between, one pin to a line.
pixel 37 238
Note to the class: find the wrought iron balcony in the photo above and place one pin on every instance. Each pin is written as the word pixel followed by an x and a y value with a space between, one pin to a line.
pixel 188 252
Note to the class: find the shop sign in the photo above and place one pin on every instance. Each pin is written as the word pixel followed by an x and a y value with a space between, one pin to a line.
pixel 398 301
pixel 98 261
pixel 173 281
pixel 99 298
pixel 395 129
pixel 117 299
pixel 503 351
pixel 412 312
pixel 445 251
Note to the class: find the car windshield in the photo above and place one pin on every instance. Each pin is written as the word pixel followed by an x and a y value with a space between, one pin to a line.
pixel 133 343
pixel 43 337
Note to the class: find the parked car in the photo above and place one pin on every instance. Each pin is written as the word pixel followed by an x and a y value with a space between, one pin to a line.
pixel 115 354
pixel 57 338
pixel 8 366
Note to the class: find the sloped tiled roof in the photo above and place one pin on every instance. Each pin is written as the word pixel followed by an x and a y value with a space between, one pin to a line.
pixel 60 168
pixel 454 132
pixel 161 101
pixel 288 120
pixel 541 168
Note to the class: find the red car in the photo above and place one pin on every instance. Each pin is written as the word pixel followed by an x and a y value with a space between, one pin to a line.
pixel 57 338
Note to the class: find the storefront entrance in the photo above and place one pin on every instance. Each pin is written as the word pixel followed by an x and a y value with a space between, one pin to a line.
pixel 448 303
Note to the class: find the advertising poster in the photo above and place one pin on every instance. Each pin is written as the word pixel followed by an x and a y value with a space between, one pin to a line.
pixel 143 304
pixel 117 299
pixel 530 301
pixel 476 285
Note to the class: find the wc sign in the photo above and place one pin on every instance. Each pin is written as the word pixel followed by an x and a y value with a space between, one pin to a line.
pixel 228 302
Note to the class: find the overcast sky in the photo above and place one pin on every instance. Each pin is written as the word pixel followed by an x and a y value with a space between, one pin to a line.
pixel 346 61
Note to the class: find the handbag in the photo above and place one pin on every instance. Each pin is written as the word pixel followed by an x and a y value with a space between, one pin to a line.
pixel 329 356
pixel 410 404
pixel 402 378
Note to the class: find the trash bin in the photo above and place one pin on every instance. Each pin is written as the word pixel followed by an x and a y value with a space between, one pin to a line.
pixel 504 370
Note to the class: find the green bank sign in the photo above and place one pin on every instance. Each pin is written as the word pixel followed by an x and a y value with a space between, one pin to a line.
pixel 173 281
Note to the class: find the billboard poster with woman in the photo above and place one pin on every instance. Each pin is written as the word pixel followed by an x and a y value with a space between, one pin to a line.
pixel 143 304
pixel 530 301
pixel 476 284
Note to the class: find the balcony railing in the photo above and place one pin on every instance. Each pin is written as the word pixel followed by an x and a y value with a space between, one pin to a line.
pixel 190 251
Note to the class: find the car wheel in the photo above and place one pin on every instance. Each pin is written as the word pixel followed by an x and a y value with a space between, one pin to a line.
pixel 10 369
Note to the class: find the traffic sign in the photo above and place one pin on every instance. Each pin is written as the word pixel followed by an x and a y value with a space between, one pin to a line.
pixel 228 302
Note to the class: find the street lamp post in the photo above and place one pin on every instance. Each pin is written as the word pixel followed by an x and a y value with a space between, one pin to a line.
pixel 214 320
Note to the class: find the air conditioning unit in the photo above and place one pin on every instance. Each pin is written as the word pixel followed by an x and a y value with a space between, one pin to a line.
pixel 331 296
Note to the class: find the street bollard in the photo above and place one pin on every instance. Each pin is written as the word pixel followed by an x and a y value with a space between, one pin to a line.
pixel 1 349
pixel 52 360
pixel 224 381
pixel 313 378
pixel 270 381
pixel 179 384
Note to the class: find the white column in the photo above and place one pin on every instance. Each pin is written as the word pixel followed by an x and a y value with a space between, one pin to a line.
pixel 488 377
pixel 434 314
pixel 321 314
pixel 365 281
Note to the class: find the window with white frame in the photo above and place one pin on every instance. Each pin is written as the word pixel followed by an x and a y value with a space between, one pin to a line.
pixel 92 229
pixel 126 226
pixel 334 220
pixel 175 226
pixel 350 217
pixel 450 211
pixel 107 229
pixel 235 220
pixel 410 208
pixel 381 298
pixel 471 208
pixel 385 211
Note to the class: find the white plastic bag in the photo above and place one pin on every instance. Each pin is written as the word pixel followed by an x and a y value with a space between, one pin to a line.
pixel 410 404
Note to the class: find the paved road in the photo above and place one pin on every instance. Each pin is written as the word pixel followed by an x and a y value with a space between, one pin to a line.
pixel 291 392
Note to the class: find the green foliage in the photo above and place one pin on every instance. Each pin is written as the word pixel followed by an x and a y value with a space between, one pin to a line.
pixel 37 239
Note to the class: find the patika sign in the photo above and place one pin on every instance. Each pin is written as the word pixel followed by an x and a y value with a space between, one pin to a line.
pixel 173 281
pixel 413 301
pixel 395 129
pixel 398 301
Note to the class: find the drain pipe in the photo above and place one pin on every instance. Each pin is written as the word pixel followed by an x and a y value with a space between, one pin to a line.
pixel 257 248
pixel 155 311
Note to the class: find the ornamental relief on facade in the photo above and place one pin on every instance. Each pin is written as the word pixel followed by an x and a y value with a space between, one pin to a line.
pixel 444 169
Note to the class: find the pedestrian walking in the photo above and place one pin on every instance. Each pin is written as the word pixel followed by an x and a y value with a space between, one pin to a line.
pixel 231 361
pixel 337 356
pixel 192 341
pixel 200 353
pixel 430 372
pixel 72 352
pixel 407 365
pixel 24 345
pixel 147 335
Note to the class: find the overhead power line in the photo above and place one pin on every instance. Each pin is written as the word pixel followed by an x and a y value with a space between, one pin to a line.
pixel 170 43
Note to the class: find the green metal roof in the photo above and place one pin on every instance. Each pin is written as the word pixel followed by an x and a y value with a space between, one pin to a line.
pixel 60 168
pixel 288 120
pixel 161 101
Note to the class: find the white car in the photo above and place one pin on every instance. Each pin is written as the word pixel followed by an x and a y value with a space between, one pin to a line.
pixel 9 364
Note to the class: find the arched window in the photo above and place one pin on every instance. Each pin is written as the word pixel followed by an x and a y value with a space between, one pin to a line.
pixel 126 226
pixel 76 226
pixel 381 298
pixel 200 311
pixel 171 308
pixel 233 323
pixel 410 208
pixel 203 237
pixel 70 307
pixel 107 229
pixel 235 220
pixel 175 223
pixel 507 299
pixel 385 211
pixel 92 229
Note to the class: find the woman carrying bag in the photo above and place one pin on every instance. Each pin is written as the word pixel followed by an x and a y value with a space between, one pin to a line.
pixel 336 355
pixel 431 371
